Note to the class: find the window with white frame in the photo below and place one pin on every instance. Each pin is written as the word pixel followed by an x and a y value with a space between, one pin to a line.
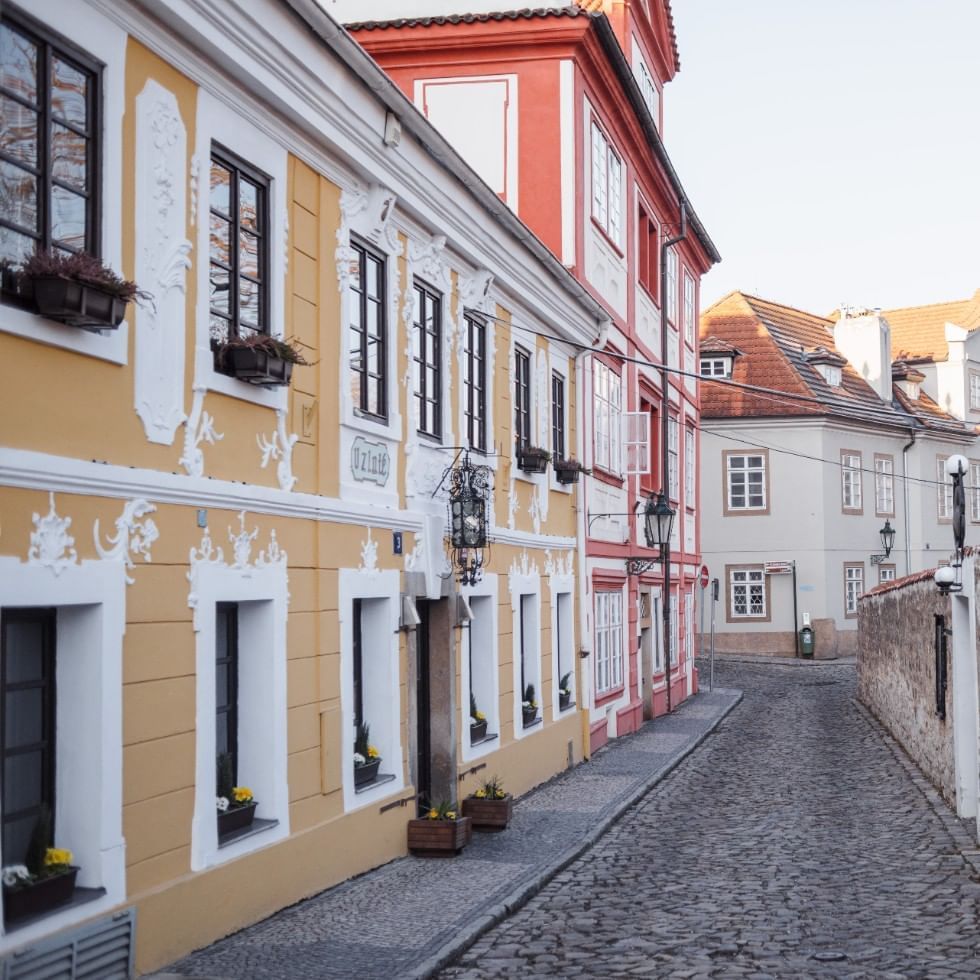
pixel 716 367
pixel 884 486
pixel 673 455
pixel 609 641
pixel 944 491
pixel 607 180
pixel 690 322
pixel 607 402
pixel 853 588
pixel 886 573
pixel 672 285
pixel 850 474
pixel 674 629
pixel 746 481
pixel 975 391
pixel 747 593
pixel 974 491
pixel 689 624
pixel 831 373
pixel 648 87
pixel 689 472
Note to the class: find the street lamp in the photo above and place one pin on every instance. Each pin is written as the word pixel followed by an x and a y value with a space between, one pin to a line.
pixel 887 534
pixel 949 578
pixel 469 493
pixel 658 522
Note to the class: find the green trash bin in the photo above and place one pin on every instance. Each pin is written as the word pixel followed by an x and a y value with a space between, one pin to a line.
pixel 806 642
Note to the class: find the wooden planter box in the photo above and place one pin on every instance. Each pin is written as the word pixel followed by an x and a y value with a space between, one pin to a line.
pixel 439 838
pixel 236 818
pixel 489 815
pixel 530 715
pixel 257 367
pixel 40 897
pixel 567 474
pixel 478 731
pixel 367 773
pixel 77 304
pixel 533 460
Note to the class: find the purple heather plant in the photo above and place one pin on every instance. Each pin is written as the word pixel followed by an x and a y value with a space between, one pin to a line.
pixel 286 350
pixel 82 267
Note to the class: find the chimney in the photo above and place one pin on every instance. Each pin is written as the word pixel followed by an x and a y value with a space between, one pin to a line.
pixel 864 338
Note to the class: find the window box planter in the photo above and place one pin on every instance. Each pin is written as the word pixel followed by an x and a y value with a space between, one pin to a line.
pixel 75 303
pixel 366 773
pixel 478 731
pixel 564 701
pixel 236 818
pixel 531 459
pixel 567 470
pixel 530 716
pixel 439 838
pixel 489 815
pixel 40 896
pixel 256 366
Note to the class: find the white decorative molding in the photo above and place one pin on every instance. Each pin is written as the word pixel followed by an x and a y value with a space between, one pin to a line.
pixel 161 261
pixel 195 183
pixel 475 291
pixel 429 260
pixel 51 544
pixel 523 567
pixel 241 543
pixel 369 211
pixel 133 536
pixel 199 428
pixel 535 508
pixel 415 559
pixel 369 554
pixel 285 241
pixel 563 565
pixel 280 448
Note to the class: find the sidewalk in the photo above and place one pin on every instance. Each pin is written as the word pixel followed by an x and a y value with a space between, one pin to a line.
pixel 765 658
pixel 412 916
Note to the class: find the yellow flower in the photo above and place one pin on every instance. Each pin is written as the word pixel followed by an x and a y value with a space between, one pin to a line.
pixel 480 716
pixel 450 814
pixel 57 855
pixel 242 794
pixel 480 794
pixel 373 753
pixel 433 815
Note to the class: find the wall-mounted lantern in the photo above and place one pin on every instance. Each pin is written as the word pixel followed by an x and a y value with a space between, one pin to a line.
pixel 949 578
pixel 887 535
pixel 658 523
pixel 469 507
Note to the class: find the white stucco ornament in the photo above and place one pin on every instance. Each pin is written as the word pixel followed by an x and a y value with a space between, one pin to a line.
pixel 199 428
pixel 524 567
pixel 134 536
pixel 369 554
pixel 51 544
pixel 562 565
pixel 241 542
pixel 279 448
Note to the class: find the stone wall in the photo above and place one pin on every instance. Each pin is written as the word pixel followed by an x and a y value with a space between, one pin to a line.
pixel 897 676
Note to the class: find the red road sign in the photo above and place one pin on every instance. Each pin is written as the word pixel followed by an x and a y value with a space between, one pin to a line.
pixel 704 576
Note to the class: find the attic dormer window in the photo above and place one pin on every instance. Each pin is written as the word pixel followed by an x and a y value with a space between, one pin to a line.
pixel 831 374
pixel 912 390
pixel 716 367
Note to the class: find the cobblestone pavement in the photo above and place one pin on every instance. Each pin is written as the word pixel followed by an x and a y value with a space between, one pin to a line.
pixel 410 916
pixel 797 842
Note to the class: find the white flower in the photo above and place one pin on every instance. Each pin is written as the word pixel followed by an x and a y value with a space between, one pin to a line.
pixel 474 721
pixel 565 691
pixel 526 704
pixel 15 873
pixel 359 759
pixel 222 803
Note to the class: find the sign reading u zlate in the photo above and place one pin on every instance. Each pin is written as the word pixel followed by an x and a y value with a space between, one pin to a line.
pixel 369 461
pixel 778 567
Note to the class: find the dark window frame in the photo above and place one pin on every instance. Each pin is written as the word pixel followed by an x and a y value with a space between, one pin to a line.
pixel 357 650
pixel 232 661
pixel 427 353
pixel 49 43
pixel 557 415
pixel 522 398
pixel 475 383
pixel 359 294
pixel 238 168
pixel 48 742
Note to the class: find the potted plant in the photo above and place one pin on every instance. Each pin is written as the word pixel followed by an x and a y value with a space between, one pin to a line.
pixel 533 459
pixel 489 807
pixel 235 804
pixel 77 289
pixel 529 707
pixel 44 881
pixel 259 359
pixel 367 759
pixel 567 470
pixel 439 832
pixel 478 722
pixel 565 691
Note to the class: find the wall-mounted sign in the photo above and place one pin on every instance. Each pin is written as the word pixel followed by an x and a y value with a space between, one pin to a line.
pixel 369 461
pixel 778 567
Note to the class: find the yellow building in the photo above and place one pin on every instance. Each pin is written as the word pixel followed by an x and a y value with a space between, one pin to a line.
pixel 197 560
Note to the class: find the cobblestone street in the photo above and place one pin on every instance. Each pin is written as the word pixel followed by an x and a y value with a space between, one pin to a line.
pixel 797 841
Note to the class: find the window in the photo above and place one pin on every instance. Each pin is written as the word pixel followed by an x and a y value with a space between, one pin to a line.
pixel 853 589
pixel 608 417
pixel 609 641
pixel 689 470
pixel 427 360
pixel 673 453
pixel 831 374
pixel 716 367
pixel 850 474
pixel 49 148
pixel 747 488
pixel 674 629
pixel 690 320
pixel 564 655
pixel 607 178
pixel 529 612
pixel 475 383
pixel 226 687
pixel 975 391
pixel 648 472
pixel 522 397
pixel 557 416
pixel 748 593
pixel 647 251
pixel 886 573
pixel 368 334
pixel 27 738
pixel 648 88
pixel 884 486
pixel 357 661
pixel 974 491
pixel 672 285
pixel 944 491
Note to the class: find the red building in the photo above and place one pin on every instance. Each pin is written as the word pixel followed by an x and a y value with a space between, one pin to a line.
pixel 560 111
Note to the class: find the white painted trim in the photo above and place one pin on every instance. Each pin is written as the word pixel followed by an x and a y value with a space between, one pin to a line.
pixel 524 580
pixel 488 636
pixel 91 600
pixel 569 185
pixel 562 584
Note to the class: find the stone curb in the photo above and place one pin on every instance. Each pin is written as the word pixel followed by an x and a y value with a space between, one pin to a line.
pixel 499 911
pixel 762 660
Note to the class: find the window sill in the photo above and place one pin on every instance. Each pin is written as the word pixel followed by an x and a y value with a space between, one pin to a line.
pixel 378 780
pixel 257 826
pixel 81 896
pixel 605 476
pixel 533 724
pixel 110 345
pixel 489 737
pixel 618 249
pixel 571 706
pixel 605 697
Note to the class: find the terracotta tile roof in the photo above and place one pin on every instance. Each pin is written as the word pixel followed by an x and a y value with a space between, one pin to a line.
pixel 715 345
pixel 918 332
pixel 779 343
pixel 524 13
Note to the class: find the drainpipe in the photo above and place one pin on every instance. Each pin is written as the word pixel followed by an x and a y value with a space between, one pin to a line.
pixel 585 454
pixel 664 426
pixel 905 477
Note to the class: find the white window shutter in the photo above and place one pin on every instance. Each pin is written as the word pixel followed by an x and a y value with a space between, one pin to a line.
pixel 636 440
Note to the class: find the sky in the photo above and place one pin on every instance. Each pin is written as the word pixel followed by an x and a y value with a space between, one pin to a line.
pixel 831 148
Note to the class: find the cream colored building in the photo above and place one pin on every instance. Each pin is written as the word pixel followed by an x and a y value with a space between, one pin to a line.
pixel 166 526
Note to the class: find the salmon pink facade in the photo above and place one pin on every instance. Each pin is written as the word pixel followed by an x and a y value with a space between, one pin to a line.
pixel 560 112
